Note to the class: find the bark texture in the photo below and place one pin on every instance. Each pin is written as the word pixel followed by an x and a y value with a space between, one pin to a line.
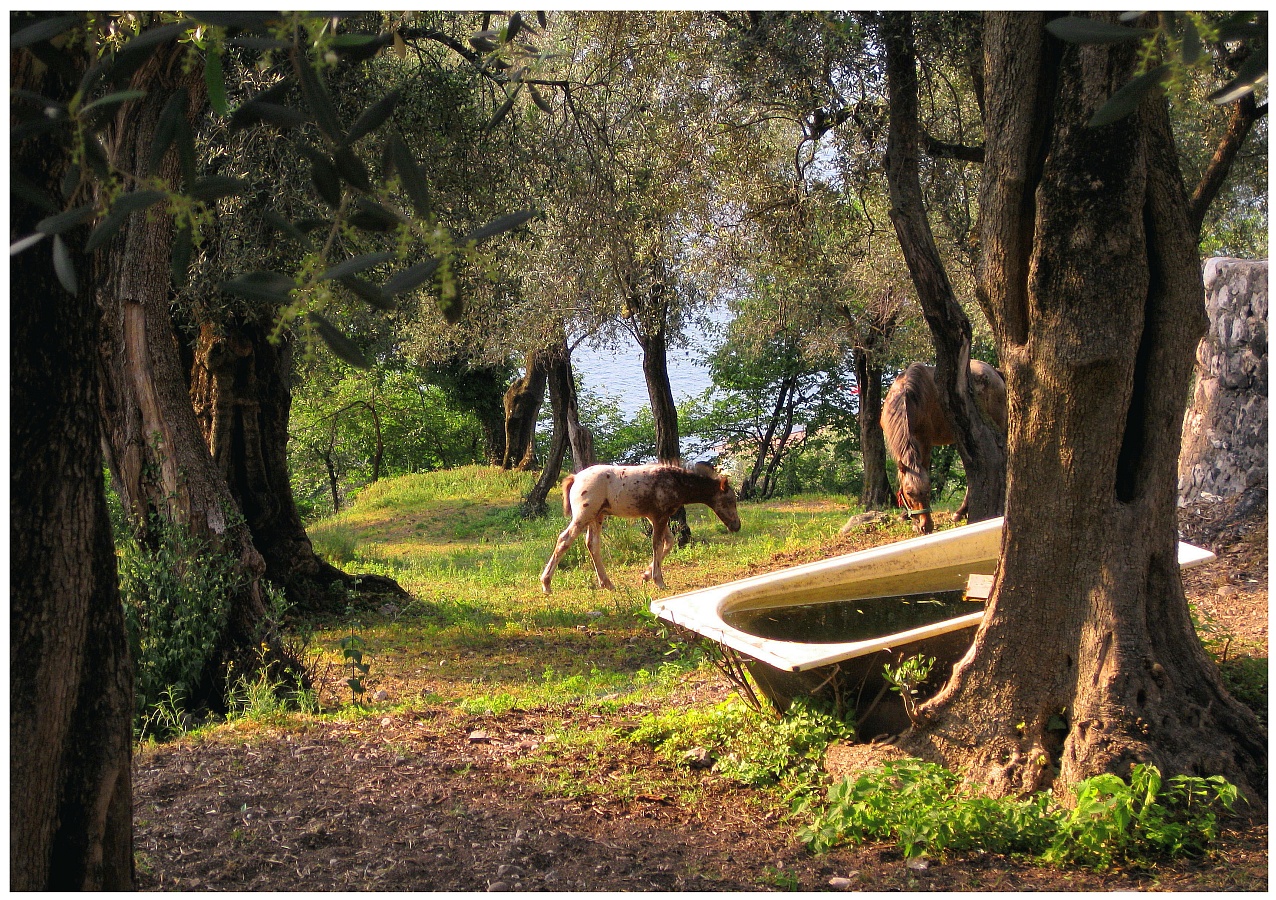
pixel 523 402
pixel 1096 295
pixel 981 445
pixel 241 393
pixel 70 676
pixel 876 493
pixel 562 392
pixel 1225 432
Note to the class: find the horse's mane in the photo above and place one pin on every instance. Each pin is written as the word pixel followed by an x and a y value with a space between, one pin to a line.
pixel 907 392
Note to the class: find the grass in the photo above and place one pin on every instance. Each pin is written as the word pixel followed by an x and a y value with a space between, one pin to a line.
pixel 479 630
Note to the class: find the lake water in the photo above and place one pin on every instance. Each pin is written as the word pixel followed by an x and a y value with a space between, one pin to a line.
pixel 618 374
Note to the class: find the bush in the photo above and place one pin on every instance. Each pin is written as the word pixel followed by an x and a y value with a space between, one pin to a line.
pixel 925 808
pixel 176 601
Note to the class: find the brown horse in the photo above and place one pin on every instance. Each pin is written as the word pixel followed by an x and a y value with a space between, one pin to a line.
pixel 653 492
pixel 914 421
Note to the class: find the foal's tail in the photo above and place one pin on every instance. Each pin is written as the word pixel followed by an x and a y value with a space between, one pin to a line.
pixel 567 495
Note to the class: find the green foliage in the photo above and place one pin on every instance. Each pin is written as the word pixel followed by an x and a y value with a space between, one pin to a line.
pixel 1114 821
pixel 355 425
pixel 906 677
pixel 177 597
pixel 750 746
pixel 926 809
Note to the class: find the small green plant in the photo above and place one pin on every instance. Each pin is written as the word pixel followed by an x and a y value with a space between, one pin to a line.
pixel 166 717
pixel 926 809
pixel 905 679
pixel 1146 818
pixel 353 649
pixel 780 879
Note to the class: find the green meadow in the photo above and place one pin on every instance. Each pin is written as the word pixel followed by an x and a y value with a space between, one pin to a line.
pixel 479 632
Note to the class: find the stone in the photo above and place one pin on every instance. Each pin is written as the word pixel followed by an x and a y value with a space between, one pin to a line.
pixel 838 883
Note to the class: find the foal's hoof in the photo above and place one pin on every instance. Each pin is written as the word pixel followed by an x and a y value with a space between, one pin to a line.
pixel 606 585
pixel 545 587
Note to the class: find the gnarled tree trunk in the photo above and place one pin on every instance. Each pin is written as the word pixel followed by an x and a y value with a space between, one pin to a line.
pixel 1091 275
pixel 523 402
pixel 159 464
pixel 70 676
pixel 562 394
pixel 241 394
pixel 1225 431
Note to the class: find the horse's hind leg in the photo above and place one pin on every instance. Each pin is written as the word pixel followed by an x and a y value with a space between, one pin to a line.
pixel 963 509
pixel 594 541
pixel 564 541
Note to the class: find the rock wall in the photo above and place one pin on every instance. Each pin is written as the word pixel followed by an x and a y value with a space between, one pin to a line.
pixel 1225 430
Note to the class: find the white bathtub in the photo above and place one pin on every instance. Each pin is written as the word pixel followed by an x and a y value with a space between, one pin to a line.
pixel 785 668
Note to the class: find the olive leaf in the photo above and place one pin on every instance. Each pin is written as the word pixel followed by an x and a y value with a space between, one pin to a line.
pixel 121 209
pixel 24 243
pixel 65 220
pixel 215 80
pixel 367 292
pixel 410 176
pixel 499 225
pixel 316 96
pixel 356 264
pixel 271 287
pixel 1251 74
pixel 374 116
pixel 216 186
pixel 411 277
pixel 63 266
pixel 166 128
pixel 344 348
pixel 1080 30
pixel 44 30
pixel 1127 99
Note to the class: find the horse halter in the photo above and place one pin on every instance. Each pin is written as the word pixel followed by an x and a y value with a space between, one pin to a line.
pixel 902 499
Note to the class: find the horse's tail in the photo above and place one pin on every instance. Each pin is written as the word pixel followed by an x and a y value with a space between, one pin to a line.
pixel 567 495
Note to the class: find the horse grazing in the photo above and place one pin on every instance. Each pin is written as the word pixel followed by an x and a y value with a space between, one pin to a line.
pixel 653 492
pixel 913 421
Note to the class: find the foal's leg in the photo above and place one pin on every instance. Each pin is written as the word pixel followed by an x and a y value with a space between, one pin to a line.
pixel 564 541
pixel 962 510
pixel 594 541
pixel 661 542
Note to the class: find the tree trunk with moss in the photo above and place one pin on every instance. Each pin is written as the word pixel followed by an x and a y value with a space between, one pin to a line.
pixel 1086 660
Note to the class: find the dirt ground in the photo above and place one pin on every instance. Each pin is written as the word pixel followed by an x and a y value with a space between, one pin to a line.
pixel 438 800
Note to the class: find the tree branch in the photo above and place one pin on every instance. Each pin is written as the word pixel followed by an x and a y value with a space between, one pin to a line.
pixel 1245 112
pixel 940 150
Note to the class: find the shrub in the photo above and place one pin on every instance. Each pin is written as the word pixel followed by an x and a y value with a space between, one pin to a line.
pixel 176 601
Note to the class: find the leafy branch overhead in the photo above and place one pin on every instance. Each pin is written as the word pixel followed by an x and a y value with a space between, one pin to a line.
pixel 396 208
pixel 1179 38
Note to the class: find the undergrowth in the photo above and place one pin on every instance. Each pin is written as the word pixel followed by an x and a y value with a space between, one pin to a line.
pixel 927 810
pixel 747 745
